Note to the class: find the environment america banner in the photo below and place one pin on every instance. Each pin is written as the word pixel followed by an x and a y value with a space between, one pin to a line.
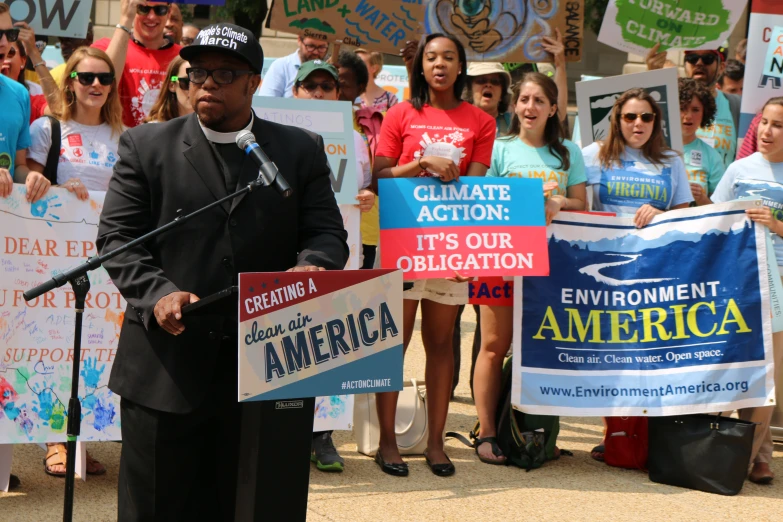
pixel 40 240
pixel 669 319
pixel 309 334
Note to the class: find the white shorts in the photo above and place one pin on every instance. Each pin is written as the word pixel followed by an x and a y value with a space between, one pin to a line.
pixel 439 291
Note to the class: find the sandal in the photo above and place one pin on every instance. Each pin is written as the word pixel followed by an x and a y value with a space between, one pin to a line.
pixel 493 442
pixel 598 453
pixel 56 455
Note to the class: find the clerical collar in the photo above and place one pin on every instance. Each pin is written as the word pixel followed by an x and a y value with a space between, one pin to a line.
pixel 225 137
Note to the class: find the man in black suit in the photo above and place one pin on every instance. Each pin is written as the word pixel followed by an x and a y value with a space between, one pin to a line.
pixel 178 376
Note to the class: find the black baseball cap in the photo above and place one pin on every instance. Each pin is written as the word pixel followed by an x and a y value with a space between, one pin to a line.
pixel 230 39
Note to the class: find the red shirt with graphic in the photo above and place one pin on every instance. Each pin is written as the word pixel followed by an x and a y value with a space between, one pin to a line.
pixel 464 134
pixel 145 70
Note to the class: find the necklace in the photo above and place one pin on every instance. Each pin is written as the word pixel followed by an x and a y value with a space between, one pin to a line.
pixel 91 141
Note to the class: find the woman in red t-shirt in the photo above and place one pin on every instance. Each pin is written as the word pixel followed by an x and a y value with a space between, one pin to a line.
pixel 434 134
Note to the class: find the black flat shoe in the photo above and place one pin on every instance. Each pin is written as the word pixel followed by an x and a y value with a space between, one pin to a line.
pixel 397 470
pixel 441 470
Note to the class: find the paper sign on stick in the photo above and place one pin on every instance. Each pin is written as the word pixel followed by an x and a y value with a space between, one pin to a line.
pixel 494 31
pixel 635 26
pixel 68 18
pixel 477 227
pixel 309 334
pixel 377 25
pixel 333 120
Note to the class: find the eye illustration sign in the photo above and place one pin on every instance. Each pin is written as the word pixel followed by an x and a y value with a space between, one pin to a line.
pixel 596 98
pixel 377 25
pixel 634 26
pixel 508 30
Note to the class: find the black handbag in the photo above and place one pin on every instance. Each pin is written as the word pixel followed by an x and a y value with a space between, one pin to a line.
pixel 703 452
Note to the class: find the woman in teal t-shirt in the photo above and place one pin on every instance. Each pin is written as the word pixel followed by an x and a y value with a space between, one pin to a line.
pixel 533 148
pixel 703 163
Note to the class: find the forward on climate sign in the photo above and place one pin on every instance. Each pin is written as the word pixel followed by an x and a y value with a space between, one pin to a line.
pixel 67 18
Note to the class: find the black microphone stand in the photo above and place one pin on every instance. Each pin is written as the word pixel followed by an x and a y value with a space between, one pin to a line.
pixel 77 278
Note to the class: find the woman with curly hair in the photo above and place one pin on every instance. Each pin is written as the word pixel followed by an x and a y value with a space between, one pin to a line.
pixel 703 163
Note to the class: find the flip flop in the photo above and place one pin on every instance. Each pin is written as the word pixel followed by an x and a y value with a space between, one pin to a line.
pixel 598 449
pixel 493 442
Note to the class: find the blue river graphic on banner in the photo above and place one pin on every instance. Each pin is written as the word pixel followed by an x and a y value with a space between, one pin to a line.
pixel 673 318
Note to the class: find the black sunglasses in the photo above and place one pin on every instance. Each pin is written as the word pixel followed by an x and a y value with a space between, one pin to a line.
pixel 706 59
pixel 88 78
pixel 483 80
pixel 159 10
pixel 11 34
pixel 184 83
pixel 221 76
pixel 631 117
pixel 325 86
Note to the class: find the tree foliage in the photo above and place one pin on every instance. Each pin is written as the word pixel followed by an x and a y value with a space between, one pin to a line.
pixel 594 14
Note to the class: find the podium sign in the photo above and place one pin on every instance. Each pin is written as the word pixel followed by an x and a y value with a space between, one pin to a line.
pixel 306 334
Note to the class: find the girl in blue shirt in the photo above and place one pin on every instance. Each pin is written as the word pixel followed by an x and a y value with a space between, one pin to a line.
pixel 533 148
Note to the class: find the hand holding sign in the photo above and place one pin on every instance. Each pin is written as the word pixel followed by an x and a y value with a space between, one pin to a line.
pixel 444 168
pixel 656 58
pixel 6 183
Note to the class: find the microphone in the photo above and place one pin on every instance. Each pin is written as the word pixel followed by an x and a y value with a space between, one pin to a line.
pixel 266 167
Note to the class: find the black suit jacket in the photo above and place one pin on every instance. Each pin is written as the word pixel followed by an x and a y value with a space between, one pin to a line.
pixel 168 167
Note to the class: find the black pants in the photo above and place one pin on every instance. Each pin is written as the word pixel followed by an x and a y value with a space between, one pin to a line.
pixel 183 467
pixel 458 352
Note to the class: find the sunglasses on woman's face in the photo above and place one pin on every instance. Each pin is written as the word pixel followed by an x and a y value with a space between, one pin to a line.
pixel 646 117
pixel 706 59
pixel 159 10
pixel 312 86
pixel 88 78
pixel 11 34
pixel 483 80
pixel 183 83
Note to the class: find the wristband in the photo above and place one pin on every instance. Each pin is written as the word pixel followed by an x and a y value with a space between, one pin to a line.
pixel 129 31
pixel 35 65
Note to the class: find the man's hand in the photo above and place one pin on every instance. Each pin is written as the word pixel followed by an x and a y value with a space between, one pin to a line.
pixel 168 311
pixel 37 185
pixel 308 268
pixel 6 183
pixel 128 11
pixel 655 59
pixel 27 37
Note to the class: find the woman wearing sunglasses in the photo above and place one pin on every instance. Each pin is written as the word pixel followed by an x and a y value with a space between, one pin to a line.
pixel 633 172
pixel 635 150
pixel 90 125
pixel 434 134
pixel 318 80
pixel 173 100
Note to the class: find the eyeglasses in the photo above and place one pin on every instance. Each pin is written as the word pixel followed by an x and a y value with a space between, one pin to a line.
pixel 706 59
pixel 325 86
pixel 221 76
pixel 88 78
pixel 11 34
pixel 646 117
pixel 184 83
pixel 320 48
pixel 159 10
pixel 483 80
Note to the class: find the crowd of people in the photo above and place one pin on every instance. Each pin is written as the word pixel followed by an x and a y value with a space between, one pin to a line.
pixel 505 129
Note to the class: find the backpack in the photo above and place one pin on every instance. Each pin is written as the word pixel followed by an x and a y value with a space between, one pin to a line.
pixel 526 440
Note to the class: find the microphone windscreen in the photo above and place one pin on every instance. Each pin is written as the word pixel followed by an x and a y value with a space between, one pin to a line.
pixel 245 138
